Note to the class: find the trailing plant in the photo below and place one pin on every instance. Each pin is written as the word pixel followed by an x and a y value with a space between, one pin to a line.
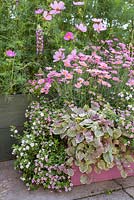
pixel 40 156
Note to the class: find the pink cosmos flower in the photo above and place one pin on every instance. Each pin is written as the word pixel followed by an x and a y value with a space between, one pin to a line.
pixel 97 20
pixel 69 36
pixel 41 81
pixel 86 83
pixel 47 16
pixel 67 63
pixel 48 68
pixel 72 56
pixel 103 66
pixel 64 72
pixel 79 3
pixel 78 70
pixel 78 85
pixel 59 55
pixel 57 7
pixel 82 63
pixel 100 81
pixel 130 82
pixel 10 53
pixel 99 27
pixel 81 80
pixel 39 11
pixel 53 74
pixel 81 27
pixel 69 76
pixel 116 79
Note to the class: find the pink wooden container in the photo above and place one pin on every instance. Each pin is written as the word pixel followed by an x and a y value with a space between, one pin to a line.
pixel 113 173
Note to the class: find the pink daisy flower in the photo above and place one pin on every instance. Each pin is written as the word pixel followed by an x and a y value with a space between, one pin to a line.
pixel 10 53
pixel 99 27
pixel 39 11
pixel 47 16
pixel 57 7
pixel 81 27
pixel 41 81
pixel 78 85
pixel 69 36
pixel 59 55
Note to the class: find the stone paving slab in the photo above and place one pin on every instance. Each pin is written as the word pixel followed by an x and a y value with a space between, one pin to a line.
pixel 12 188
pixel 127 182
pixel 114 196
pixel 130 191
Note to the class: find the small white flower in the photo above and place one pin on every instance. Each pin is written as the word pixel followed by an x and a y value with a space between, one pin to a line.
pixel 21 167
pixel 16 131
pixel 23 141
pixel 27 148
pixel 129 106
pixel 21 154
pixel 133 109
pixel 42 114
pixel 22 178
pixel 127 98
pixel 28 164
pixel 32 144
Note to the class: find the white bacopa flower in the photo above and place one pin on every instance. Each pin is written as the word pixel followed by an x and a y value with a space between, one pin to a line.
pixel 16 131
pixel 22 178
pixel 133 109
pixel 23 141
pixel 21 154
pixel 127 98
pixel 32 144
pixel 122 95
pixel 129 106
pixel 42 114
pixel 28 164
pixel 27 148
pixel 21 167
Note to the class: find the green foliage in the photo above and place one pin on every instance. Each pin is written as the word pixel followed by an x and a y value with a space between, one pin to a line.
pixel 18 24
pixel 95 139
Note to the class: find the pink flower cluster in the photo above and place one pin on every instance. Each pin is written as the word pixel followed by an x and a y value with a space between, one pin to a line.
pixel 41 85
pixel 101 67
pixel 56 8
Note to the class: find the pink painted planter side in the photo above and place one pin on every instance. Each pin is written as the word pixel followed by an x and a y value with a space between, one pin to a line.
pixel 113 173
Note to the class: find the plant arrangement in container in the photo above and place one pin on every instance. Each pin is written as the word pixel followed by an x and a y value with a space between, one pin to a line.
pixel 84 112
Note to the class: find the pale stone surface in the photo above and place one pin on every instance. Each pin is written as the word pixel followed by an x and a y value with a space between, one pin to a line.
pixel 130 191
pixel 114 196
pixel 12 188
pixel 128 182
